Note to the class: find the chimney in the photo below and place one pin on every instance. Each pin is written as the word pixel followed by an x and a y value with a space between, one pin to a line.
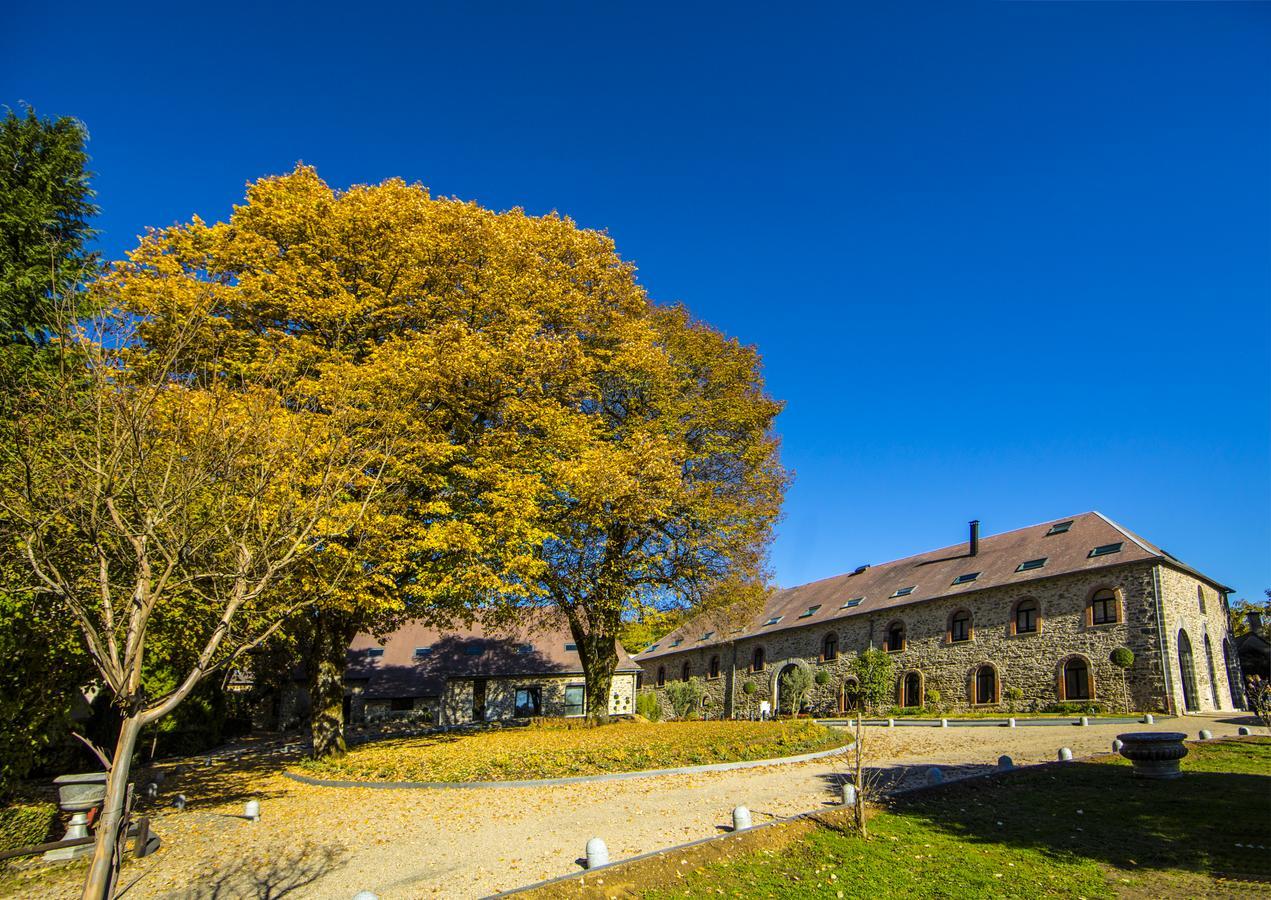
pixel 975 537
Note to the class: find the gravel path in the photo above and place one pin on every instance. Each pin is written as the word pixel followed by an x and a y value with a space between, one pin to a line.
pixel 332 842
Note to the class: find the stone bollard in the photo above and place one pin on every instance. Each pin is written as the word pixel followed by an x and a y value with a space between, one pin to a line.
pixel 741 818
pixel 1065 755
pixel 1206 734
pixel 152 791
pixel 1010 723
pixel 179 801
pixel 597 853
pixel 935 776
pixel 851 723
pixel 1243 731
pixel 365 895
pixel 1085 721
pixel 1117 745
pixel 1149 719
pixel 252 810
pixel 849 794
pixel 891 723
pixel 1005 762
pixel 944 723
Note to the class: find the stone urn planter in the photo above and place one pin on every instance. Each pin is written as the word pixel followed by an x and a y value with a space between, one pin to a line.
pixel 78 794
pixel 1155 754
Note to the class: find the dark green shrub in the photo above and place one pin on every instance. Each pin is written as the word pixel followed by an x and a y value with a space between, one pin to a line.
pixel 749 688
pixel 26 824
pixel 647 705
pixel 822 677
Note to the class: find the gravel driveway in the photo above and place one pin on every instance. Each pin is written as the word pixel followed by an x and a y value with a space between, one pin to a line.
pixel 332 842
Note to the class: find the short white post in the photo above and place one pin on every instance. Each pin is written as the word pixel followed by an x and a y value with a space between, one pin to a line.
pixel 891 723
pixel 849 794
pixel 597 853
pixel 1005 762
pixel 1085 721
pixel 1117 745
pixel 365 895
pixel 741 818
pixel 1242 731
pixel 1010 723
pixel 935 775
pixel 1206 734
pixel 1149 719
pixel 1065 754
pixel 944 723
pixel 252 810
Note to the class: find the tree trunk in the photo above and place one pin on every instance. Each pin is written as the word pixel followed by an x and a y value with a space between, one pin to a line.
pixel 598 654
pixel 104 869
pixel 331 637
pixel 859 811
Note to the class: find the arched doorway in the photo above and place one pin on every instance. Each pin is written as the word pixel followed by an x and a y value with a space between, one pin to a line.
pixel 1076 679
pixel 1213 673
pixel 984 685
pixel 1233 675
pixel 911 695
pixel 1187 672
pixel 781 701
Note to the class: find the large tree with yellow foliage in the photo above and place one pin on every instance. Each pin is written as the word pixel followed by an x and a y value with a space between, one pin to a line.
pixel 559 440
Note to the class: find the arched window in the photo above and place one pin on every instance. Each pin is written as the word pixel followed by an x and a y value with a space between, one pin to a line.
pixel 1233 674
pixel 713 671
pixel 1027 618
pixel 1200 598
pixel 686 671
pixel 1104 608
pixel 960 627
pixel 984 685
pixel 1213 674
pixel 1074 680
pixel 661 675
pixel 895 637
pixel 830 647
pixel 757 661
pixel 1187 672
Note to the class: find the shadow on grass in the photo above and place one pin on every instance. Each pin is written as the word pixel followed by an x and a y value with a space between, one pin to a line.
pixel 1207 822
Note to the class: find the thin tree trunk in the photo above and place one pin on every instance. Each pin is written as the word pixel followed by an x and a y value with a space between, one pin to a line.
pixel 100 884
pixel 860 772
pixel 331 638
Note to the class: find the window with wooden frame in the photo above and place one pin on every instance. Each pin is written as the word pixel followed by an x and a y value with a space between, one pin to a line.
pixel 1075 680
pixel 830 647
pixel 1104 608
pixel 686 671
pixel 712 671
pixel 661 676
pixel 959 630
pixel 984 685
pixel 1026 618
pixel 757 660
pixel 895 641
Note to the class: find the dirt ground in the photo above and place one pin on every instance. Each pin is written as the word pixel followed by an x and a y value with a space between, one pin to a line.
pixel 333 842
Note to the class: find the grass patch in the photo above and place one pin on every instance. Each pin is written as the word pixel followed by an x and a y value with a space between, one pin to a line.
pixel 1074 830
pixel 544 751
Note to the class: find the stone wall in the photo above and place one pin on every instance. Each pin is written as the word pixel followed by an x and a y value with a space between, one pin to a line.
pixel 500 696
pixel 1207 630
pixel 1031 662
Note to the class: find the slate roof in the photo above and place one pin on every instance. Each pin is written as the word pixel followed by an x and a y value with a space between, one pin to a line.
pixel 933 575
pixel 534 648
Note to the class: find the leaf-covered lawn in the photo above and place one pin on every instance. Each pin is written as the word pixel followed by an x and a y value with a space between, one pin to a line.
pixel 548 752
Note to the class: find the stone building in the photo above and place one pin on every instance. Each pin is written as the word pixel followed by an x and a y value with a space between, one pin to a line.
pixel 1039 610
pixel 475 674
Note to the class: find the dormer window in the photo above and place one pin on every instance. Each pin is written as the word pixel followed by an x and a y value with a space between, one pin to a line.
pixel 1106 549
pixel 1029 564
pixel 1059 528
pixel 967 578
pixel 811 610
pixel 905 591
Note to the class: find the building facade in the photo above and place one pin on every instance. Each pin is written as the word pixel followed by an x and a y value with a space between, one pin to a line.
pixel 475 674
pixel 1028 619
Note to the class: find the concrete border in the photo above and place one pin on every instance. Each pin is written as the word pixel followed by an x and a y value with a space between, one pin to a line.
pixel 577 779
pixel 1003 722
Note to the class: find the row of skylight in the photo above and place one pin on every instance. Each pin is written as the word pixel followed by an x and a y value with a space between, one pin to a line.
pixel 1026 566
pixel 475 648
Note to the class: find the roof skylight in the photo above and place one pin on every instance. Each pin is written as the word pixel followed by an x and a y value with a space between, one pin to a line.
pixel 1105 549
pixel 707 636
pixel 677 642
pixel 905 591
pixel 773 621
pixel 1030 564
pixel 968 577
pixel 855 601
pixel 1059 528
pixel 811 610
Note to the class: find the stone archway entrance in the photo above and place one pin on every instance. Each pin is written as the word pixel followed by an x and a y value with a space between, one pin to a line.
pixel 780 703
pixel 1187 672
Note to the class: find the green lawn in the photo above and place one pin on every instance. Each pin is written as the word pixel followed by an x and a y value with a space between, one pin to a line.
pixel 1084 829
pixel 546 751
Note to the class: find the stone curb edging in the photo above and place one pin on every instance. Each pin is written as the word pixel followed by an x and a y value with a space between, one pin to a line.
pixel 577 779
pixel 1020 722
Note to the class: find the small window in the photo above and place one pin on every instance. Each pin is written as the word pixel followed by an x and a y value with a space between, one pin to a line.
pixel 661 676
pixel 1106 549
pixel 712 670
pixel 575 699
pixel 529 701
pixel 421 652
pixel 401 704
pixel 1200 598
pixel 905 591
pixel 810 611
pixel 1103 608
pixel 1059 528
pixel 1026 617
pixel 707 636
pixel 757 660
pixel 677 642
pixel 830 647
pixel 773 621
pixel 525 648
pixel 375 651
pixel 855 601
pixel 960 627
pixel 686 671
pixel 895 637
pixel 968 577
pixel 1030 564
pixel 475 648
pixel 571 648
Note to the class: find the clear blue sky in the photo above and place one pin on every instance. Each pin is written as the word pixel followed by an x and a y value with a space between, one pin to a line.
pixel 1003 260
